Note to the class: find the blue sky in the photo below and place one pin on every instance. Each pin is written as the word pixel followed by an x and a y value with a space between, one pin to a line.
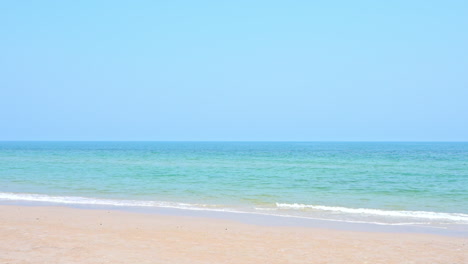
pixel 234 70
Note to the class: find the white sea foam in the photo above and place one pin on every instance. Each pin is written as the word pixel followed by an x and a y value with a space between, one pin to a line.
pixel 77 200
pixel 420 217
pixel 423 215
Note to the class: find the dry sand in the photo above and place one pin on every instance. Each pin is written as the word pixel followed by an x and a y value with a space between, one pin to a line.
pixel 68 235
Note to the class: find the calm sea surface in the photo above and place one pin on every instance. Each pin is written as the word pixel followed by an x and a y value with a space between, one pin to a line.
pixel 386 183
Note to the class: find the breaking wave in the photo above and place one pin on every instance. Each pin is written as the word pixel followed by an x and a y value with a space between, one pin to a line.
pixel 334 213
pixel 452 217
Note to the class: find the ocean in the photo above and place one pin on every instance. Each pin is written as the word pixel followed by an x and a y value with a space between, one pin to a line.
pixel 386 183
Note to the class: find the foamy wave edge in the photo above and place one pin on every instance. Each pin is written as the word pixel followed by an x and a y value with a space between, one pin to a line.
pixel 77 200
pixel 452 217
pixel 102 201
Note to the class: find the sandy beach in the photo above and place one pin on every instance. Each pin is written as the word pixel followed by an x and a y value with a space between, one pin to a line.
pixel 69 235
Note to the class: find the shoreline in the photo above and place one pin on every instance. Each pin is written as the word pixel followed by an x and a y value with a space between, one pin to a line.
pixel 260 219
pixel 52 234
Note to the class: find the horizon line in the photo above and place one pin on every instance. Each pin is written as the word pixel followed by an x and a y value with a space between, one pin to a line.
pixel 396 141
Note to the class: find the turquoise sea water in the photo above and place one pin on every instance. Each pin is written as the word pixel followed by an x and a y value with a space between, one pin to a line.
pixel 386 183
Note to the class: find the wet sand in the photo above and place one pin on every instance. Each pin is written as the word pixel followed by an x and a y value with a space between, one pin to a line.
pixel 70 235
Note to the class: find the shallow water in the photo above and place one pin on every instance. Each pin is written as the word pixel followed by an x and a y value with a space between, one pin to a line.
pixel 369 182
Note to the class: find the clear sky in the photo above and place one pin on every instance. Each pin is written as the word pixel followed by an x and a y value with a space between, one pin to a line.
pixel 234 70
